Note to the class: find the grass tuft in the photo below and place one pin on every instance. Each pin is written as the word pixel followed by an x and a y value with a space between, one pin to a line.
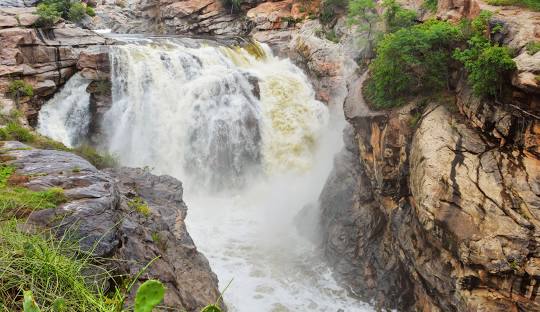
pixel 140 206
pixel 49 268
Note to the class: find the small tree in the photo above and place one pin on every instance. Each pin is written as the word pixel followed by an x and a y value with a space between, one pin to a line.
pixel 363 13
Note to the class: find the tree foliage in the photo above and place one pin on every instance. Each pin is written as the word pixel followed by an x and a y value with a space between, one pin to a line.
pixel 410 60
pixel 488 65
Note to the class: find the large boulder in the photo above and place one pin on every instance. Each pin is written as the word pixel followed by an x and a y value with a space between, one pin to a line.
pixel 103 209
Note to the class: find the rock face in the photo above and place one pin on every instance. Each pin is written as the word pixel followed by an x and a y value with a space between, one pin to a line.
pixel 201 17
pixel 44 58
pixel 102 210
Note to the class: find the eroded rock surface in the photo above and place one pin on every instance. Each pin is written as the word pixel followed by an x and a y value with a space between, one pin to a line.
pixel 43 58
pixel 101 209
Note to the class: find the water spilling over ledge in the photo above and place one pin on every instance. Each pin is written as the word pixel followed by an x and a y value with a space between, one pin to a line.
pixel 243 131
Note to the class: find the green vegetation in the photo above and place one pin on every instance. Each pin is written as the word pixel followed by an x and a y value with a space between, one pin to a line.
pixel 15 131
pixel 139 205
pixel 50 11
pixel 488 65
pixel 414 59
pixel 430 5
pixel 531 4
pixel 18 89
pixel 48 15
pixel 533 47
pixel 149 295
pixel 411 60
pixel 76 12
pixel 395 17
pixel 40 263
pixel 15 199
pixel 90 11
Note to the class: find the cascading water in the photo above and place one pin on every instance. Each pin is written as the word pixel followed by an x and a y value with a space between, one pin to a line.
pixel 245 134
pixel 66 116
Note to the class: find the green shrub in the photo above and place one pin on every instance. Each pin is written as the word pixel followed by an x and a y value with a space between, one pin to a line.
pixel 48 14
pixel 533 47
pixel 487 66
pixel 76 12
pixel 396 17
pixel 90 11
pixel 19 88
pixel 411 60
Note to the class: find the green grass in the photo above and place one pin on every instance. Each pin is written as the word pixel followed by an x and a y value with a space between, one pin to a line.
pixel 15 199
pixel 533 47
pixel 49 268
pixel 531 4
pixel 139 205
pixel 14 131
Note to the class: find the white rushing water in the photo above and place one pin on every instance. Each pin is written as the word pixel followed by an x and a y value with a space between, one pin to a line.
pixel 243 131
pixel 66 116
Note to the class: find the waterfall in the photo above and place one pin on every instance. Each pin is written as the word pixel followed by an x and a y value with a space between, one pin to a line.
pixel 216 114
pixel 242 129
pixel 66 116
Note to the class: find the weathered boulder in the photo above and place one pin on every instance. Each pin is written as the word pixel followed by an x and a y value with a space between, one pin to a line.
pixel 102 209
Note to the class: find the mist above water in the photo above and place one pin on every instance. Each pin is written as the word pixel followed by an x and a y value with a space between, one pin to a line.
pixel 243 131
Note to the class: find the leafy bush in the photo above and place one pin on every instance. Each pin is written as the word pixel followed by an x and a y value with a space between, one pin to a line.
pixel 76 12
pixel 48 14
pixel 410 60
pixel 487 65
pixel 90 11
pixel 50 11
pixel 396 17
pixel 18 88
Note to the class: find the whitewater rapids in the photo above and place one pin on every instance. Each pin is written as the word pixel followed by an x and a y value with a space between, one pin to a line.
pixel 242 129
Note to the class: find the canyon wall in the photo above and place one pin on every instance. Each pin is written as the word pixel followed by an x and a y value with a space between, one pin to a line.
pixel 442 201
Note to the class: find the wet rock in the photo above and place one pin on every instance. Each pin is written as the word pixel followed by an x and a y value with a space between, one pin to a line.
pixel 101 212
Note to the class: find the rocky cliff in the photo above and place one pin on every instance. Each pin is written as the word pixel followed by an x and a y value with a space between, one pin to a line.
pixel 436 207
pixel 43 58
pixel 103 212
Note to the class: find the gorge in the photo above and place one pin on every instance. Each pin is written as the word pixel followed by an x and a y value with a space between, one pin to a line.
pixel 302 188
